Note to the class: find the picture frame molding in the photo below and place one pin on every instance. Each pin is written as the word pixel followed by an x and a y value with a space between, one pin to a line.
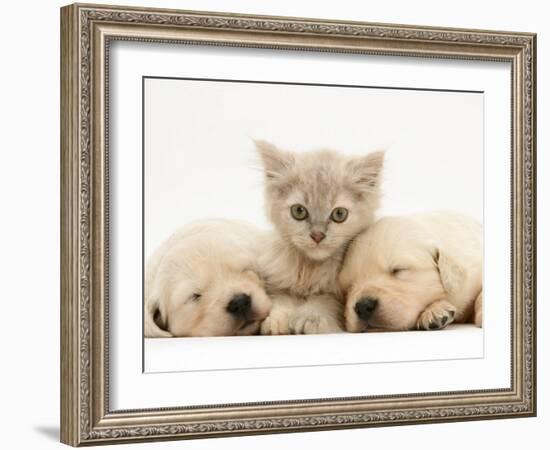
pixel 86 31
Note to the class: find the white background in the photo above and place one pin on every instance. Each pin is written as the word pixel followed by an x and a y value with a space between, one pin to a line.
pixel 29 174
pixel 200 161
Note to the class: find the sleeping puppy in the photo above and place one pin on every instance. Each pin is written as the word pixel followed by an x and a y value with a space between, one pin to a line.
pixel 202 282
pixel 421 271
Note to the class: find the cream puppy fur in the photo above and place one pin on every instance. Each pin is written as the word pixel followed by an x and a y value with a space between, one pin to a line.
pixel 420 271
pixel 202 281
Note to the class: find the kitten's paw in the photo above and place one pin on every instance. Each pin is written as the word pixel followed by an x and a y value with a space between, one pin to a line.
pixel 313 324
pixel 277 322
pixel 436 316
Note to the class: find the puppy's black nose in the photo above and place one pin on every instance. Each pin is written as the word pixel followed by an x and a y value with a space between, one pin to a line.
pixel 365 307
pixel 239 306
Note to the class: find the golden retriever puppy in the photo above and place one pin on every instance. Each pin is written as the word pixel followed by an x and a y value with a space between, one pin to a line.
pixel 202 281
pixel 421 271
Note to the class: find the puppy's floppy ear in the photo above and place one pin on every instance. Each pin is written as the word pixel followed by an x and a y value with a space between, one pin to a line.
pixel 451 272
pixel 154 322
pixel 365 172
pixel 159 320
pixel 276 162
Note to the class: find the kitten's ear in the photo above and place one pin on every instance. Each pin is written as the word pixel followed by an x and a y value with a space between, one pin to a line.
pixel 276 162
pixel 364 172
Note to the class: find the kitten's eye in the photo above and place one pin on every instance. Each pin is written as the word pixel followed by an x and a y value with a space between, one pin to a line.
pixel 299 212
pixel 195 297
pixel 339 214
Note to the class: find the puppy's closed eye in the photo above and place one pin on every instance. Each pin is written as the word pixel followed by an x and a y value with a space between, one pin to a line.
pixel 398 271
pixel 195 297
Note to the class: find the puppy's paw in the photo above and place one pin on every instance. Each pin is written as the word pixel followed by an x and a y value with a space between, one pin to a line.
pixel 436 316
pixel 311 323
pixel 278 322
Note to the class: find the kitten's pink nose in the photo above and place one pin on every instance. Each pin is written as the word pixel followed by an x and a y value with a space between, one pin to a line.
pixel 317 236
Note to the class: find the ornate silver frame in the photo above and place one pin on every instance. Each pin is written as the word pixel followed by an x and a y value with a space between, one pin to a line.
pixel 86 31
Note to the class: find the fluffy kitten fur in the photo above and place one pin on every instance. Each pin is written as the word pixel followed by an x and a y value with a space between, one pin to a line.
pixel 301 274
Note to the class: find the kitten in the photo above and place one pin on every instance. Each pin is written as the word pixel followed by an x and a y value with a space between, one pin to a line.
pixel 318 202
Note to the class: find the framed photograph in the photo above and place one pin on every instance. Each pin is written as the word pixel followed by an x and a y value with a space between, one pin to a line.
pixel 276 224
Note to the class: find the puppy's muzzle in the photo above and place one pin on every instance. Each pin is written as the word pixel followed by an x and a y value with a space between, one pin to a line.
pixel 239 306
pixel 365 307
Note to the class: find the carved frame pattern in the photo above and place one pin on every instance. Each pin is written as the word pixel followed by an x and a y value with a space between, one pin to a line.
pixel 86 31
